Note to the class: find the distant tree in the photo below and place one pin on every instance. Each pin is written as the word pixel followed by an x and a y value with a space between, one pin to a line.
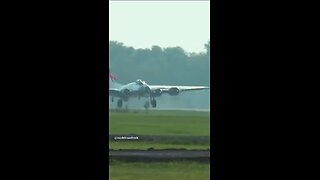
pixel 170 65
pixel 156 50
pixel 207 47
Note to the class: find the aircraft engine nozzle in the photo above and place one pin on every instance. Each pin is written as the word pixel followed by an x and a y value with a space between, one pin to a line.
pixel 157 93
pixel 126 94
pixel 173 91
pixel 144 91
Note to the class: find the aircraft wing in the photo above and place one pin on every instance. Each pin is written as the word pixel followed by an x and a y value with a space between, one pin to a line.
pixel 114 92
pixel 180 88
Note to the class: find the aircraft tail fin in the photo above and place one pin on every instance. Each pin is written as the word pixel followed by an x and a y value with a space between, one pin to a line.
pixel 111 76
pixel 112 81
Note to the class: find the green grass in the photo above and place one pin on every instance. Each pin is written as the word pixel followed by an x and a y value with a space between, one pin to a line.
pixel 160 123
pixel 185 170
pixel 146 145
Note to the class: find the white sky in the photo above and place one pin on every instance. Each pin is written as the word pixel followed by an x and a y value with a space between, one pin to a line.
pixel 141 24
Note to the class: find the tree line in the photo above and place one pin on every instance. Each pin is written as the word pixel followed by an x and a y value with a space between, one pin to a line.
pixel 156 65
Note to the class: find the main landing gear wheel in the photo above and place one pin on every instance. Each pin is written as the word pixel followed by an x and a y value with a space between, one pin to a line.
pixel 153 103
pixel 146 105
pixel 119 103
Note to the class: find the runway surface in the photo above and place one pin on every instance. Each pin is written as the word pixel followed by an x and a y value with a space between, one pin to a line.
pixel 160 155
pixel 161 138
pixel 165 109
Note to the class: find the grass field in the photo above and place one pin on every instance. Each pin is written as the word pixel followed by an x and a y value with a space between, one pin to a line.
pixel 184 170
pixel 176 123
pixel 190 123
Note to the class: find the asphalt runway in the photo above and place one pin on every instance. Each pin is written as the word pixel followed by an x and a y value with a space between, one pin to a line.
pixel 160 155
pixel 162 138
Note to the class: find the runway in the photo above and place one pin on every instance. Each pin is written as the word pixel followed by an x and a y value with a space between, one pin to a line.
pixel 161 138
pixel 160 155
pixel 165 109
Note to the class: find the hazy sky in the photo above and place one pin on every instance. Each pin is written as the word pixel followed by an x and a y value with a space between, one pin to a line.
pixel 141 24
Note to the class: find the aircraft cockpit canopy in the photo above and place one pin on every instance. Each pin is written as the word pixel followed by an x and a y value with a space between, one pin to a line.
pixel 139 82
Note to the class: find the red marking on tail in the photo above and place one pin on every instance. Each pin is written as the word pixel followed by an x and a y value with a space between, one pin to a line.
pixel 112 77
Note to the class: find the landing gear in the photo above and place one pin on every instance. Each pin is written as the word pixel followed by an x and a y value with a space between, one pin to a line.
pixel 146 105
pixel 119 103
pixel 153 103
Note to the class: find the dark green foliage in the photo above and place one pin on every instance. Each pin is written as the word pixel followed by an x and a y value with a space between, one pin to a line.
pixel 170 66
